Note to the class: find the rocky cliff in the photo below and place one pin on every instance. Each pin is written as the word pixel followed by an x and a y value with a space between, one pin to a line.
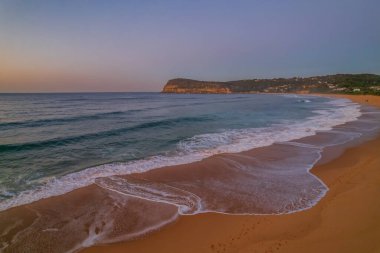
pixel 340 83
pixel 181 85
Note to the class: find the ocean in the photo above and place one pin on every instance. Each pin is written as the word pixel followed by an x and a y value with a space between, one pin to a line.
pixel 53 143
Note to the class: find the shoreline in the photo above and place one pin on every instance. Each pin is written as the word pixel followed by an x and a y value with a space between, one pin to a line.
pixel 90 197
pixel 333 224
pixel 86 176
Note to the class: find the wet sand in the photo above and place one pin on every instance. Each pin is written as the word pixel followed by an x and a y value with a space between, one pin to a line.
pixel 347 219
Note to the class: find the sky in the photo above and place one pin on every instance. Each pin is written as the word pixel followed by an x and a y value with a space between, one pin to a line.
pixel 137 45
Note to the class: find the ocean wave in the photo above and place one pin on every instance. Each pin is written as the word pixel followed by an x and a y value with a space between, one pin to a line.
pixel 57 121
pixel 193 149
pixel 113 132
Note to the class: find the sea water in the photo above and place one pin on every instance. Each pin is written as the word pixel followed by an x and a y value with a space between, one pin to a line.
pixel 53 143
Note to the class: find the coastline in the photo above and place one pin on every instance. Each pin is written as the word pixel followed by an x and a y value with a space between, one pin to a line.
pixel 98 210
pixel 347 219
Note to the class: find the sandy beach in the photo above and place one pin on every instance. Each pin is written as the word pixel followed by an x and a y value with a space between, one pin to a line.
pixel 347 219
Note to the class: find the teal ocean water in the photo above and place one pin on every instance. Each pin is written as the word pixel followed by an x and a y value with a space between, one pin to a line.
pixel 53 143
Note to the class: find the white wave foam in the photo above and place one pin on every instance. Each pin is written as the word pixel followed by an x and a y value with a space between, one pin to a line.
pixel 197 148
pixel 187 202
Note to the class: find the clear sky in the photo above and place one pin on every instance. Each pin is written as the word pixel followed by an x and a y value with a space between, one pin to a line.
pixel 137 45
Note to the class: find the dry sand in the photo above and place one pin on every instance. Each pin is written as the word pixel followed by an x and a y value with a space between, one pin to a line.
pixel 346 220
